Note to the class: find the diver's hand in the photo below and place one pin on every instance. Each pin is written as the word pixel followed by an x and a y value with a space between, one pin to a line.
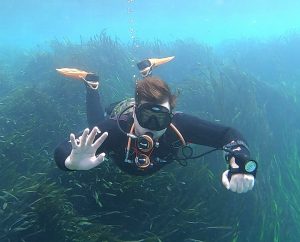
pixel 83 152
pixel 239 183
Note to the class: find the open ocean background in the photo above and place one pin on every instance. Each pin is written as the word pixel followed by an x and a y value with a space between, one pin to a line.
pixel 236 63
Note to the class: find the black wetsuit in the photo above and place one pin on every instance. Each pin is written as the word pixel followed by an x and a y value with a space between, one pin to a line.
pixel 193 129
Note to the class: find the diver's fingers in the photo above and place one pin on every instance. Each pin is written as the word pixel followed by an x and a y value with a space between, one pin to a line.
pixel 233 183
pixel 83 137
pixel 240 187
pixel 100 140
pixel 249 180
pixel 225 180
pixel 100 158
pixel 73 141
pixel 92 135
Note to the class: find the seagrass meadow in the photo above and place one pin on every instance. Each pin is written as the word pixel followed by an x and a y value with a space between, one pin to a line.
pixel 248 85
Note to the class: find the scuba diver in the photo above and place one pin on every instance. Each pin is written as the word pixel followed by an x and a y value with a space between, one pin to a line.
pixel 144 134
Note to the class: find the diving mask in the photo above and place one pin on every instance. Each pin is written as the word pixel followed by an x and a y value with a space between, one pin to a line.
pixel 153 116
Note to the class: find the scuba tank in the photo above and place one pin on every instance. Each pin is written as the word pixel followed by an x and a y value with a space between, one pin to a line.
pixel 114 110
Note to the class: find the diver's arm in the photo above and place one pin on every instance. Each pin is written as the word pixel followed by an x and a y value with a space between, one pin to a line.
pixel 198 131
pixel 202 132
pixel 61 152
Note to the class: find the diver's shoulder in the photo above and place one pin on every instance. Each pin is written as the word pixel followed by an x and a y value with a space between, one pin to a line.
pixel 179 115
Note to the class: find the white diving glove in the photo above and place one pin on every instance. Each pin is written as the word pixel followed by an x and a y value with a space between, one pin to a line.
pixel 83 154
pixel 239 183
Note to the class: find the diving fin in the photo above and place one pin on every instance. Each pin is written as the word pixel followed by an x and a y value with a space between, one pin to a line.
pixel 159 61
pixel 91 79
pixel 147 65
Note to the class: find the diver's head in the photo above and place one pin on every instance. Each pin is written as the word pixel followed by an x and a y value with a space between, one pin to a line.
pixel 154 105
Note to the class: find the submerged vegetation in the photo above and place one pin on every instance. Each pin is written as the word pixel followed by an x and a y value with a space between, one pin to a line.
pixel 39 109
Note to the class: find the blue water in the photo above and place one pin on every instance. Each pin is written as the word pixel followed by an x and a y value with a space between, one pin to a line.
pixel 28 23
pixel 249 80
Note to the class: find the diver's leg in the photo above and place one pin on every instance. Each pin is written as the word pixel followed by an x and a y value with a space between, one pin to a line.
pixel 94 109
